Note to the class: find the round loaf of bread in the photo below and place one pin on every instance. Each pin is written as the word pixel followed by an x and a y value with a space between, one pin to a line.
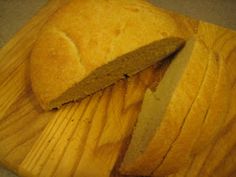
pixel 88 45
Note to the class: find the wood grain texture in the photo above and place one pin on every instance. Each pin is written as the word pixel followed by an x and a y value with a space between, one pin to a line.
pixel 21 119
pixel 88 138
pixel 88 135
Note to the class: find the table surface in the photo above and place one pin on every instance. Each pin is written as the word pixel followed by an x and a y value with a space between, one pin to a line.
pixel 15 13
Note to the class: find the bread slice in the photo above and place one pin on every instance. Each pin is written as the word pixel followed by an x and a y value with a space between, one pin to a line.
pixel 163 111
pixel 214 120
pixel 181 148
pixel 88 45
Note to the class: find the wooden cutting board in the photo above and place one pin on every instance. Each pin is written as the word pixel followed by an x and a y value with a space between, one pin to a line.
pixel 87 138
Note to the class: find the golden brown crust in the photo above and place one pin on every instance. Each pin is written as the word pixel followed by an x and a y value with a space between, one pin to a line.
pixel 84 35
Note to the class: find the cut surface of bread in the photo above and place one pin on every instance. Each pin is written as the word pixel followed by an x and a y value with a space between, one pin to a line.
pixel 163 110
pixel 181 148
pixel 88 45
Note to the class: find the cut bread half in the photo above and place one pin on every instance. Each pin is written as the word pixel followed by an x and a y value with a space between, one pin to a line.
pixel 214 120
pixel 181 148
pixel 163 111
pixel 88 45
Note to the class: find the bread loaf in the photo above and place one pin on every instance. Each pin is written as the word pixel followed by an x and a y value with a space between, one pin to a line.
pixel 88 45
pixel 163 111
pixel 181 149
pixel 216 115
